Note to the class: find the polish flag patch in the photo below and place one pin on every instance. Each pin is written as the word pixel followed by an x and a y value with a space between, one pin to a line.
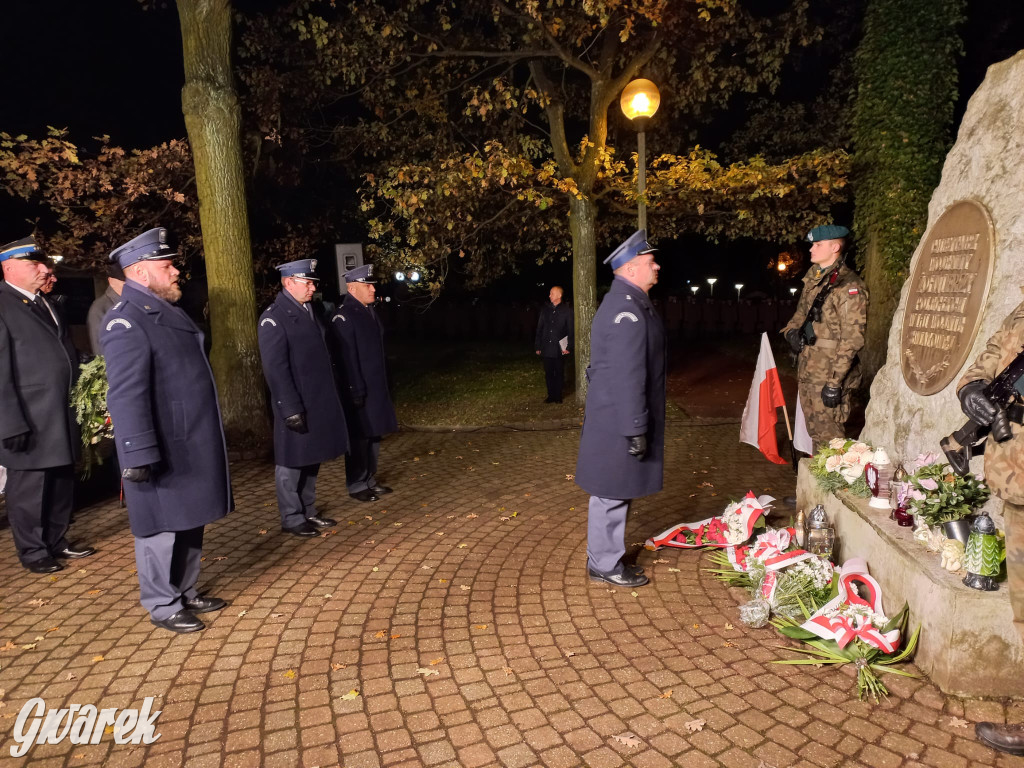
pixel 854 291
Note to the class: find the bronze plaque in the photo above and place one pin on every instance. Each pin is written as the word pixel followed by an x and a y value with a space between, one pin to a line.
pixel 948 289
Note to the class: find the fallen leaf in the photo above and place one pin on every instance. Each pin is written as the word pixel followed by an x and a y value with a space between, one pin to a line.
pixel 666 695
pixel 94 591
pixel 29 646
pixel 627 739
pixel 674 570
pixel 465 587
pixel 242 613
pixel 695 725
pixel 71 676
pixel 109 729
pixel 350 695
pixel 508 671
pixel 375 569
pixel 634 594
pixel 570 653
pixel 219 558
pixel 463 546
pixel 263 531
pixel 336 666
pixel 728 644
pixel 275 615
pixel 696 626
pixel 96 658
pixel 504 518
pixel 426 567
pixel 381 635
pixel 660 560
pixel 427 671
pixel 480 626
pixel 956 722
pixel 472 516
pixel 395 637
pixel 763 764
pixel 705 484
pixel 439 533
pixel 570 477
pixel 290 674
pixel 728 626
pixel 443 581
pixel 37 601
pixel 435 662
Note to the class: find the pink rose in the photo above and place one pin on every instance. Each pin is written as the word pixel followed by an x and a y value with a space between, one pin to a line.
pixel 929 484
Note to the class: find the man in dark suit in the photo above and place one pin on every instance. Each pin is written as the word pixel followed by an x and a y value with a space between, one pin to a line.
pixel 309 424
pixel 553 341
pixel 359 340
pixel 167 429
pixel 621 453
pixel 39 439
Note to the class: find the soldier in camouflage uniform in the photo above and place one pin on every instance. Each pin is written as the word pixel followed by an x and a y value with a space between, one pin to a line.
pixel 1004 474
pixel 827 335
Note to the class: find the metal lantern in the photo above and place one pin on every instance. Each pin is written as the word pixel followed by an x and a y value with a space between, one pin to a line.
pixel 819 536
pixel 899 486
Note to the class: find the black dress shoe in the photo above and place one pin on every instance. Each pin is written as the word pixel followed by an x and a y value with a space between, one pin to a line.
pixel 634 569
pixel 366 495
pixel 46 565
pixel 321 522
pixel 624 579
pixel 1004 738
pixel 181 622
pixel 203 604
pixel 302 529
pixel 380 490
pixel 74 554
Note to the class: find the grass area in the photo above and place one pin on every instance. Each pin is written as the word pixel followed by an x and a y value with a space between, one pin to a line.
pixel 473 384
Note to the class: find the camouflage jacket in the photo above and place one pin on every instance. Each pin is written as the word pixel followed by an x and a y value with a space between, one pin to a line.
pixel 1004 462
pixel 844 316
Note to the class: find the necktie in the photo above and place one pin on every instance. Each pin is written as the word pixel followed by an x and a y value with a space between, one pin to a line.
pixel 39 305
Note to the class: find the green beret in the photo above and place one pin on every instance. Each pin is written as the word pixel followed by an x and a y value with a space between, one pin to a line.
pixel 827 232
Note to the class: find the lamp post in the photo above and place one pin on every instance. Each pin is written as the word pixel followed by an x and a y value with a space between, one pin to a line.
pixel 711 282
pixel 792 291
pixel 639 101
pixel 738 287
pixel 694 289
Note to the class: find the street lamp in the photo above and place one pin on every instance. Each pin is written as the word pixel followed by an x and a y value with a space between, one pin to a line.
pixel 414 276
pixel 400 276
pixel 694 289
pixel 792 291
pixel 639 101
pixel 711 282
pixel 738 287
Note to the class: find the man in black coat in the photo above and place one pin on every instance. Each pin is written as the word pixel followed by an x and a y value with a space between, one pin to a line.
pixel 622 445
pixel 39 439
pixel 168 432
pixel 553 341
pixel 309 425
pixel 359 341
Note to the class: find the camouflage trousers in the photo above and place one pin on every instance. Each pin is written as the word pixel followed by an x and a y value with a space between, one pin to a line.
pixel 1014 523
pixel 812 373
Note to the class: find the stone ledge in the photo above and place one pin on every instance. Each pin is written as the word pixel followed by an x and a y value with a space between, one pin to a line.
pixel 968 644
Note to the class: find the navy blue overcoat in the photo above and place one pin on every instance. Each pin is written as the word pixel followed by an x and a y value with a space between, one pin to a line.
pixel 163 404
pixel 359 342
pixel 298 368
pixel 626 397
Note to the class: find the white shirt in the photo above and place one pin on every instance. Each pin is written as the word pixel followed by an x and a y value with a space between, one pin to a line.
pixel 32 297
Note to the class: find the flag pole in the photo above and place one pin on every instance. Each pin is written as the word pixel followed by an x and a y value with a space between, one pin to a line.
pixel 792 448
pixel 785 415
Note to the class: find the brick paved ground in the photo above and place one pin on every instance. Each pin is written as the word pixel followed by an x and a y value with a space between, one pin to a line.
pixel 534 664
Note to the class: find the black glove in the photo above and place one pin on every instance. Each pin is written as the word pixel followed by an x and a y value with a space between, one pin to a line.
pixel 795 340
pixel 297 423
pixel 831 396
pixel 16 443
pixel 974 403
pixel 638 446
pixel 136 474
pixel 358 400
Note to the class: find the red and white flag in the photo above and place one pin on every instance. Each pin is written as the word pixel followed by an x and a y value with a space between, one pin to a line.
pixel 758 425
pixel 801 437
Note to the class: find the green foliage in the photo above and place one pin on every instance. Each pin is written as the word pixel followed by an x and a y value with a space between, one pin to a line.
pixel 833 481
pixel 89 399
pixel 906 70
pixel 939 495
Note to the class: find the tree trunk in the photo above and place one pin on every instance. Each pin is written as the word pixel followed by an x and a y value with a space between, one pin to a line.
pixel 213 118
pixel 883 299
pixel 582 221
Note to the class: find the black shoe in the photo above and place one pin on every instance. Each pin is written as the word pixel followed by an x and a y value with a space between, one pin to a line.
pixel 1004 738
pixel 302 529
pixel 548 400
pixel 181 622
pixel 203 604
pixel 624 579
pixel 366 495
pixel 380 490
pixel 636 570
pixel 74 554
pixel 321 522
pixel 46 565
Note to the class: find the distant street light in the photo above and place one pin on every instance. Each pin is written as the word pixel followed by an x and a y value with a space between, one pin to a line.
pixel 399 276
pixel 792 291
pixel 782 266
pixel 711 282
pixel 738 287
pixel 414 276
pixel 694 289
pixel 639 101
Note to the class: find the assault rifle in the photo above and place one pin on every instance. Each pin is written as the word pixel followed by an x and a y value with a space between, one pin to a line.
pixel 960 446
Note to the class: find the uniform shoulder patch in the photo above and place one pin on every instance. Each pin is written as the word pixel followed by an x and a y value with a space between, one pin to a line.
pixel 118 321
pixel 337 317
pixel 854 291
pixel 266 320
pixel 626 316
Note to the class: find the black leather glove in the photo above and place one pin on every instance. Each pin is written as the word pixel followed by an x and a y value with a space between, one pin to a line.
pixel 974 403
pixel 359 401
pixel 16 443
pixel 136 474
pixel 1001 431
pixel 638 446
pixel 297 423
pixel 795 340
pixel 831 396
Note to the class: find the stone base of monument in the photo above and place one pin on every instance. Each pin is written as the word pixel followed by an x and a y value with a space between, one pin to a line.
pixel 968 644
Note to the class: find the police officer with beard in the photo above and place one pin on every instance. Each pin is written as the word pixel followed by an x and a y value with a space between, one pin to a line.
pixel 167 429
pixel 309 425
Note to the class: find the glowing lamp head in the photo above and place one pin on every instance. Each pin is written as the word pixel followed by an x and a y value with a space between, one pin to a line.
pixel 640 98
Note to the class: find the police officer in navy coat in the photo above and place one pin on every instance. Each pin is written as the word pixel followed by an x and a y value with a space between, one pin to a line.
pixel 167 429
pixel 621 453
pixel 39 438
pixel 309 425
pixel 359 342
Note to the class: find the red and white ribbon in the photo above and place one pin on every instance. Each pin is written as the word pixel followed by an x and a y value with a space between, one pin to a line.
pixel 845 629
pixel 712 531
pixel 769 548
